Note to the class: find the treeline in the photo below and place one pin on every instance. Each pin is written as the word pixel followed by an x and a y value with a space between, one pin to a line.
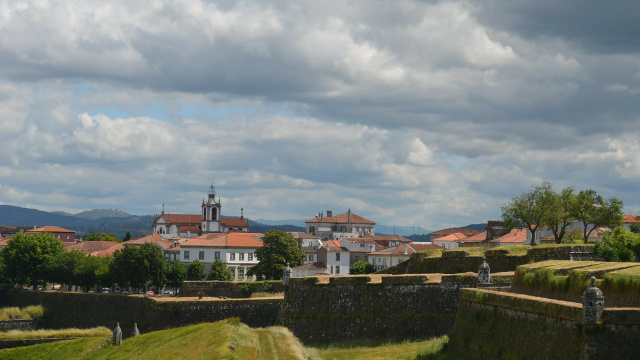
pixel 35 259
pixel 543 207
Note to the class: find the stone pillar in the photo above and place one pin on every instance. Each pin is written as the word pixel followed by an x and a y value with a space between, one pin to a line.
pixel 484 273
pixel 592 304
pixel 286 275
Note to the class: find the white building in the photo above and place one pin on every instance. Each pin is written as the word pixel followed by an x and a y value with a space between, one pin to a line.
pixel 390 256
pixel 335 257
pixel 236 249
pixel 340 226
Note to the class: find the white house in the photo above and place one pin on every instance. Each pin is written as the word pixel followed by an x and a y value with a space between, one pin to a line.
pixel 309 269
pixel 340 226
pixel 236 249
pixel 335 257
pixel 390 256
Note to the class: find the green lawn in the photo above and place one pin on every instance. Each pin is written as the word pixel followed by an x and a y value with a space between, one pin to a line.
pixel 212 340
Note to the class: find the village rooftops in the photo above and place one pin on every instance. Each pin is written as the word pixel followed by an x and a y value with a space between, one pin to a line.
pixel 477 238
pixel 419 246
pixel 91 247
pixel 515 236
pixel 630 219
pixel 333 246
pixel 51 229
pixel 450 237
pixel 311 266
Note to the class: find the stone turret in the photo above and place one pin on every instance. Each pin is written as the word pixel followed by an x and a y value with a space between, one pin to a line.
pixel 286 275
pixel 592 304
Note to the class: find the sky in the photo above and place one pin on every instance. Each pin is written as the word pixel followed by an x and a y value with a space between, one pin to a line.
pixel 410 113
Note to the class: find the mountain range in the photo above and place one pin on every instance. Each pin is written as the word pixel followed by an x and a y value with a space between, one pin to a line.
pixel 118 222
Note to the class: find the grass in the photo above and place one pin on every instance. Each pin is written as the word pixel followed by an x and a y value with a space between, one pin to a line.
pixel 405 350
pixel 212 340
pixel 62 333
pixel 263 294
pixel 27 313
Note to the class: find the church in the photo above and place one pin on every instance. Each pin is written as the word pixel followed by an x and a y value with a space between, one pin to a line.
pixel 209 221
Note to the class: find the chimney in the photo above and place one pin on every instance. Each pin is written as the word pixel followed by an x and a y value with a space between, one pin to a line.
pixel 406 249
pixel 327 246
pixel 175 243
pixel 349 215
pixel 241 213
pixel 329 213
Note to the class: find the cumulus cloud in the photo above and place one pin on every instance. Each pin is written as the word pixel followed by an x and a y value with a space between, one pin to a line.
pixel 426 113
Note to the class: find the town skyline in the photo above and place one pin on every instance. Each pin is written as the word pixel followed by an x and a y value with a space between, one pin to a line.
pixel 412 113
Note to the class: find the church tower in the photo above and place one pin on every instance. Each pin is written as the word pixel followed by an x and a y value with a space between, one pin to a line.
pixel 211 212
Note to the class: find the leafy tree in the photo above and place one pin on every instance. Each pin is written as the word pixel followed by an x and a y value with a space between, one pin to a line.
pixel 155 264
pixel 26 256
pixel 61 266
pixel 176 274
pixel 219 271
pixel 195 271
pixel 361 267
pixel 127 236
pixel 102 237
pixel 530 210
pixel 279 249
pixel 619 245
pixel 559 215
pixel 86 271
pixel 594 212
pixel 635 227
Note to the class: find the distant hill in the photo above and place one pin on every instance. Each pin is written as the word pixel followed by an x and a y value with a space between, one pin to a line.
pixel 101 213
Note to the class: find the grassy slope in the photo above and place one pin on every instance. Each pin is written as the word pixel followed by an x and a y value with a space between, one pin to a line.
pixel 212 340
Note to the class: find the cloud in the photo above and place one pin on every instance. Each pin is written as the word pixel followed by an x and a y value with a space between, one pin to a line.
pixel 425 113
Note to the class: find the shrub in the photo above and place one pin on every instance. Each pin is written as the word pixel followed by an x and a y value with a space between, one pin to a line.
pixel 266 287
pixel 619 245
pixel 245 288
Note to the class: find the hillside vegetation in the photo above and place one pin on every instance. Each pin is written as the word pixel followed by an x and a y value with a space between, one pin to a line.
pixel 212 341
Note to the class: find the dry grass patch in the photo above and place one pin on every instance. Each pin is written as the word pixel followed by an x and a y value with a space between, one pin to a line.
pixel 27 313
pixel 60 333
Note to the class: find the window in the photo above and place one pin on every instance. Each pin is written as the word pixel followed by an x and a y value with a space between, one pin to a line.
pixel 217 255
pixel 186 255
pixel 241 273
pixel 312 230
pixel 241 256
pixel 331 269
pixel 201 255
pixel 337 269
pixel 250 256
pixel 232 256
pixel 233 272
pixel 67 237
pixel 337 256
pixel 361 245
pixel 310 257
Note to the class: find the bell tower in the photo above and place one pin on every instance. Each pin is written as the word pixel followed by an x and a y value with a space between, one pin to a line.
pixel 211 212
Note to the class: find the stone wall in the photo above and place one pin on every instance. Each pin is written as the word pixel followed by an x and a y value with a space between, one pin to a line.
pixel 342 311
pixel 459 261
pixel 22 325
pixel 84 310
pixel 495 325
pixel 228 288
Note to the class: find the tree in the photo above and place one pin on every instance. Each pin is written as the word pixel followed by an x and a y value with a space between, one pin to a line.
pixel 559 216
pixel 635 227
pixel 137 265
pixel 195 271
pixel 155 264
pixel 176 274
pixel 127 236
pixel 85 272
pixel 530 210
pixel 219 271
pixel 594 212
pixel 361 267
pixel 61 266
pixel 102 237
pixel 619 245
pixel 26 256
pixel 279 248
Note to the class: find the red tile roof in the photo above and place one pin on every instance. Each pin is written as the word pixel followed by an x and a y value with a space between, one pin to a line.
pixel 92 246
pixel 450 237
pixel 516 236
pixel 109 251
pixel 52 229
pixel 233 222
pixel 229 240
pixel 479 237
pixel 334 246
pixel 184 218
pixel 464 231
pixel 631 219
pixel 341 219
pixel 311 266
pixel 396 250
pixel 298 235
pixel 424 246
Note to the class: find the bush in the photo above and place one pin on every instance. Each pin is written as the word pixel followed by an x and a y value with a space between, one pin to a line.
pixel 266 287
pixel 361 267
pixel 245 288
pixel 619 245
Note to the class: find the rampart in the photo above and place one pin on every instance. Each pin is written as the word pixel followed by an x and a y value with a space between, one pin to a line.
pixel 229 289
pixel 353 308
pixel 459 261
pixel 499 325
pixel 83 310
